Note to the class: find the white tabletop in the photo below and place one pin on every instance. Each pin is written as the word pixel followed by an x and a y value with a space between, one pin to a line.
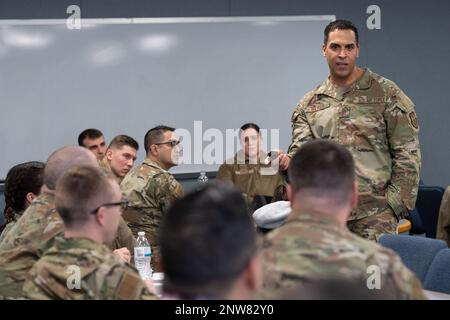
pixel 433 295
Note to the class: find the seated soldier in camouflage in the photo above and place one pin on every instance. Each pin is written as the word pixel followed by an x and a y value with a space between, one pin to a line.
pixel 36 229
pixel 150 188
pixel 248 169
pixel 118 160
pixel 209 247
pixel 79 265
pixel 93 140
pixel 22 185
pixel 315 243
pixel 120 156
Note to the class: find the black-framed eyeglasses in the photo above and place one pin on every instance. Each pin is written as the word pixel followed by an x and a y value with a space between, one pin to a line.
pixel 123 203
pixel 172 143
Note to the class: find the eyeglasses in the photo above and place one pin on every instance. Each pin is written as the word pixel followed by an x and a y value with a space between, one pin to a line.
pixel 172 143
pixel 123 203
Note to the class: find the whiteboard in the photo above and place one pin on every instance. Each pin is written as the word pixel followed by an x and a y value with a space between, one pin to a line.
pixel 124 76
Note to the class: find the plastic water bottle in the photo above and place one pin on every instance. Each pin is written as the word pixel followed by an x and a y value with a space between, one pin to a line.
pixel 142 256
pixel 202 179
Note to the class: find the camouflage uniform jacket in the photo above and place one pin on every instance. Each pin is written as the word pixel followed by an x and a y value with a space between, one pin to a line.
pixel 150 191
pixel 31 236
pixel 9 226
pixel 25 243
pixel 103 164
pixel 377 123
pixel 124 237
pixel 316 247
pixel 251 178
pixel 102 274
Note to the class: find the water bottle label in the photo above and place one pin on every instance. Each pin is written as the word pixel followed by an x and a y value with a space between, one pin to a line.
pixel 141 252
pixel 138 252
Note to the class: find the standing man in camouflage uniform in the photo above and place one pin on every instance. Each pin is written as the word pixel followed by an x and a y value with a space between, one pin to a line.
pixel 248 169
pixel 315 243
pixel 375 121
pixel 150 188
pixel 90 206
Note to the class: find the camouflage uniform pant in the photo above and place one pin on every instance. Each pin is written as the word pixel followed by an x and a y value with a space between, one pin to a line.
pixel 374 226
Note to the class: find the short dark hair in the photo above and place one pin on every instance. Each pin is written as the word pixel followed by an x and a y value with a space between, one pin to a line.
pixel 20 180
pixel 123 140
pixel 90 134
pixel 340 25
pixel 155 135
pixel 280 193
pixel 323 168
pixel 207 239
pixel 79 191
pixel 248 125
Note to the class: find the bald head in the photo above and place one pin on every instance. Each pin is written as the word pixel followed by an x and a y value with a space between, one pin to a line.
pixel 64 159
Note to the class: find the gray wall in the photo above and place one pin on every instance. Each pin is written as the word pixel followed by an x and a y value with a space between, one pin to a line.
pixel 411 49
pixel 112 74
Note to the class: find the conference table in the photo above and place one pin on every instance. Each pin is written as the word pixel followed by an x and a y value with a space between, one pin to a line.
pixel 158 278
pixel 433 295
